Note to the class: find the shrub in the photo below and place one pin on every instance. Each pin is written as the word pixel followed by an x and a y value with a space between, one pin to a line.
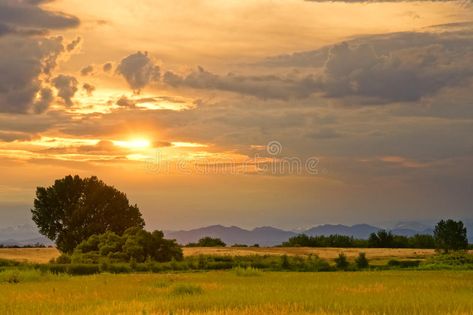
pixel 314 263
pixel 285 262
pixel 403 263
pixel 119 268
pixel 8 263
pixel 452 259
pixel 62 259
pixel 83 269
pixel 208 242
pixel 136 244
pixel 14 276
pixel 361 261
pixel 341 262
pixel 187 289
pixel 55 268
pixel 247 272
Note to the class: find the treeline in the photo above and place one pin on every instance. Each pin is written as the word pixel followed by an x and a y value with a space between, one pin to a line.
pixel 36 245
pixel 309 263
pixel 381 239
pixel 449 235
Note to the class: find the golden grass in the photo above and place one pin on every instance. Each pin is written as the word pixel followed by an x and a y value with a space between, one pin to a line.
pixel 43 255
pixel 34 255
pixel 326 253
pixel 225 293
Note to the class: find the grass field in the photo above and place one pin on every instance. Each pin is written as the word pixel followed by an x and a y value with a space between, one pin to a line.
pixel 230 292
pixel 43 255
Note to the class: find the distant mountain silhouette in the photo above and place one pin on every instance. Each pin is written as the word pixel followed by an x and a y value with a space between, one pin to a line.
pixel 264 236
pixel 270 236
pixel 21 235
pixel 362 231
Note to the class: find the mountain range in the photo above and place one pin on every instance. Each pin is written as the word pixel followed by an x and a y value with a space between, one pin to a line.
pixel 264 236
pixel 21 235
pixel 270 236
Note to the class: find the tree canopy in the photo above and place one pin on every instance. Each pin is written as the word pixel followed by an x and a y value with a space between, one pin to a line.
pixel 450 235
pixel 135 244
pixel 74 208
pixel 208 242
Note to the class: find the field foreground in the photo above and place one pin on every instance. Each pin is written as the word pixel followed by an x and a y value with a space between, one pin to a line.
pixel 229 292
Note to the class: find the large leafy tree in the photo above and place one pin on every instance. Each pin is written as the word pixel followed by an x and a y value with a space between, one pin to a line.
pixel 75 208
pixel 450 235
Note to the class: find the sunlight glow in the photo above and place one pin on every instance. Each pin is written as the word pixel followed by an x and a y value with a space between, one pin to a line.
pixel 133 144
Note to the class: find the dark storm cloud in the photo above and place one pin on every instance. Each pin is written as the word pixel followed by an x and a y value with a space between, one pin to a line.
pixel 20 15
pixel 138 70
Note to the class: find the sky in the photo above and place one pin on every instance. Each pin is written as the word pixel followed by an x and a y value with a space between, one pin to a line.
pixel 288 113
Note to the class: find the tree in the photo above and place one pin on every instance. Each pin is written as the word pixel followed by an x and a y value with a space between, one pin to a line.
pixel 73 209
pixel 341 261
pixel 208 242
pixel 382 239
pixel 450 235
pixel 361 261
pixel 135 245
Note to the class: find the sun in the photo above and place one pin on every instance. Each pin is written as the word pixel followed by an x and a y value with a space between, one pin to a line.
pixel 133 143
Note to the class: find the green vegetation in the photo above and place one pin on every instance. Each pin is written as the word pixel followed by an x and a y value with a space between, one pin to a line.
pixel 247 272
pixel 381 239
pixel 361 261
pixel 341 262
pixel 135 246
pixel 99 234
pixel 396 292
pixel 186 289
pixel 208 242
pixel 73 209
pixel 450 235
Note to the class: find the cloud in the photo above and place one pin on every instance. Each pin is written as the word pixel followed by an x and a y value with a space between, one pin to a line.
pixel 265 87
pixel 26 16
pixel 87 70
pixel 389 1
pixel 10 136
pixel 27 58
pixel 373 69
pixel 88 88
pixel 138 70
pixel 67 87
pixel 325 134
pixel 107 67
pixel 72 45
pixel 23 61
pixel 125 102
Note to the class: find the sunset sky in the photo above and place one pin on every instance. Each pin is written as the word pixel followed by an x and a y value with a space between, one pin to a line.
pixel 175 103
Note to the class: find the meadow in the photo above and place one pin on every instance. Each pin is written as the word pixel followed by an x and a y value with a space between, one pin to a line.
pixel 35 287
pixel 245 291
pixel 44 255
